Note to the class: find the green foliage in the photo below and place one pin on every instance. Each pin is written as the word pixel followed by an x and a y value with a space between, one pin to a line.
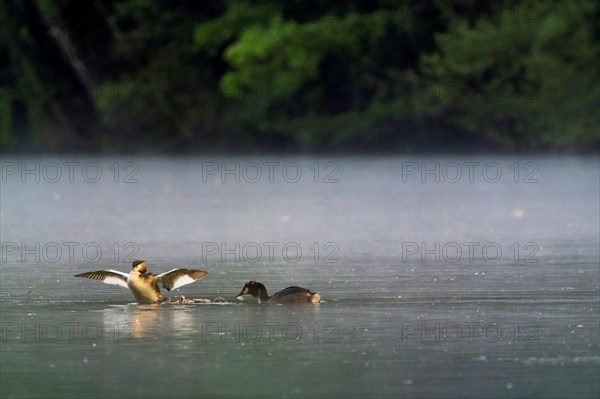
pixel 277 68
pixel 310 75
pixel 525 80
pixel 7 137
pixel 286 52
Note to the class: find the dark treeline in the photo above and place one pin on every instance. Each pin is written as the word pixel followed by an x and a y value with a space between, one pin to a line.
pixel 187 75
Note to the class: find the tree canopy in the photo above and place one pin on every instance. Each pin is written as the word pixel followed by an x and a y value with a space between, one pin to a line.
pixel 124 75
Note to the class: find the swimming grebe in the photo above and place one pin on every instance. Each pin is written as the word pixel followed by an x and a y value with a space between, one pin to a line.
pixel 287 295
pixel 145 286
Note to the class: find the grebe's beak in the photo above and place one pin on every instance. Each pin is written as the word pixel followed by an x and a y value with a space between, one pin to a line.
pixel 243 292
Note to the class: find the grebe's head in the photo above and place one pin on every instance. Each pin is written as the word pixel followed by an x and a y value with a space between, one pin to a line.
pixel 138 266
pixel 252 288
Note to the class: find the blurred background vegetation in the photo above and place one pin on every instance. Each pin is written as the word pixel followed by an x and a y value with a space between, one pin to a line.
pixel 302 75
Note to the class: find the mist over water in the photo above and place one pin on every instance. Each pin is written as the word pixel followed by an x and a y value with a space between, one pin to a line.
pixel 440 276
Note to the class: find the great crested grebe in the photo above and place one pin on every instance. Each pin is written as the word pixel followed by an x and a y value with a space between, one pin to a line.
pixel 287 295
pixel 145 286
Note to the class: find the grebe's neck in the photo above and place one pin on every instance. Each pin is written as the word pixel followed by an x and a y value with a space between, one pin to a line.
pixel 262 293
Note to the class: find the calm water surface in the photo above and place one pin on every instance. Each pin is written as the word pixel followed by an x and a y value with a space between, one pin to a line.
pixel 440 277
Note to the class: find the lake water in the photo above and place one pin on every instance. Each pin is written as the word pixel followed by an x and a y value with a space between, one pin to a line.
pixel 440 277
